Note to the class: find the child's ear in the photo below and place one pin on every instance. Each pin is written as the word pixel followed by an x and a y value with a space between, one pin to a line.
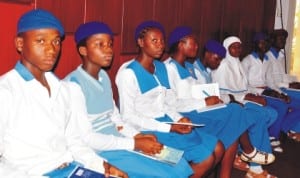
pixel 19 42
pixel 140 42
pixel 82 51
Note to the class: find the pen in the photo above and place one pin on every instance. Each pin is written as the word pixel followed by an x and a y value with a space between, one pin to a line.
pixel 205 93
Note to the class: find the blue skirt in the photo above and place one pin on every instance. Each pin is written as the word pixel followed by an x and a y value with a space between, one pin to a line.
pixel 227 124
pixel 137 166
pixel 263 116
pixel 197 146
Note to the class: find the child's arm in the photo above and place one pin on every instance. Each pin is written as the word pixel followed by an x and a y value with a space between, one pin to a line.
pixel 128 91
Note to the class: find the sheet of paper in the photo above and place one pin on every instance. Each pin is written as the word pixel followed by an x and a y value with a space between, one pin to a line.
pixel 183 123
pixel 202 91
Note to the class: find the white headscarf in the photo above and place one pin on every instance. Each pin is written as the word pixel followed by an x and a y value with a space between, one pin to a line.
pixel 228 41
pixel 230 74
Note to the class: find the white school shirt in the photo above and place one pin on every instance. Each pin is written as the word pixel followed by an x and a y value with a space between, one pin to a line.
pixel 232 79
pixel 255 69
pixel 182 88
pixel 92 88
pixel 276 76
pixel 141 109
pixel 204 74
pixel 39 132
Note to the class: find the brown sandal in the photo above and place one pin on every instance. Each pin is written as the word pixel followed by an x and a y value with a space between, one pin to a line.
pixel 264 174
pixel 240 164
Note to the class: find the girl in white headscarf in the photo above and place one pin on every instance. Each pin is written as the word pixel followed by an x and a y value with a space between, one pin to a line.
pixel 234 88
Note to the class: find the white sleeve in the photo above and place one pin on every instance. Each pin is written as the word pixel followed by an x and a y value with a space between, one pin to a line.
pixel 127 130
pixel 274 77
pixel 182 90
pixel 6 170
pixel 246 64
pixel 128 89
pixel 218 76
pixel 97 141
pixel 80 151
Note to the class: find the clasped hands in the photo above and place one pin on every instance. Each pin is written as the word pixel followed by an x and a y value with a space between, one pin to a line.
pixel 294 85
pixel 276 94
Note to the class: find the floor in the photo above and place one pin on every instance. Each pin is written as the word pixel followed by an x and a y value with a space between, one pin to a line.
pixel 286 165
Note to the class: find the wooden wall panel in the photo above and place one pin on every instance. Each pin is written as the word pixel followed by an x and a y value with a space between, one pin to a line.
pixel 135 12
pixel 208 18
pixel 71 14
pixel 166 10
pixel 268 17
pixel 190 15
pixel 10 13
pixel 18 1
pixel 231 14
pixel 211 21
pixel 109 12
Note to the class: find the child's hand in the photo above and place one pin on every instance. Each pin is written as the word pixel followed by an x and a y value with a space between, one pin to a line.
pixel 113 171
pixel 285 97
pixel 276 94
pixel 232 100
pixel 182 129
pixel 147 143
pixel 212 100
pixel 295 85
pixel 257 99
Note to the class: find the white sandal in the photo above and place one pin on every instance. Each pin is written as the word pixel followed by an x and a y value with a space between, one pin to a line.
pixel 259 157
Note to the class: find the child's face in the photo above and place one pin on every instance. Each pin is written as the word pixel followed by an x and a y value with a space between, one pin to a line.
pixel 235 49
pixel 39 49
pixel 99 50
pixel 153 43
pixel 280 41
pixel 212 60
pixel 190 46
pixel 262 46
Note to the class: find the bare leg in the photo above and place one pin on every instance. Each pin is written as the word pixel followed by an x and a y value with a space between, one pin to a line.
pixel 246 143
pixel 219 152
pixel 227 161
pixel 201 169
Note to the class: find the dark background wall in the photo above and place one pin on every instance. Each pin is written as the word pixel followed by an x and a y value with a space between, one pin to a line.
pixel 210 19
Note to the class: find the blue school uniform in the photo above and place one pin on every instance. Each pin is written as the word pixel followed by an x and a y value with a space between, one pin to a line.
pixel 219 122
pixel 99 99
pixel 263 117
pixel 197 146
pixel 275 78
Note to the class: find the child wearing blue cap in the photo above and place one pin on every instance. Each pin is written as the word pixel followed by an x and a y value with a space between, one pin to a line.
pixel 39 134
pixel 219 122
pixel 143 90
pixel 110 135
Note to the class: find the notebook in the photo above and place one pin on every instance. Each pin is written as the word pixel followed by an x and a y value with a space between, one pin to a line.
pixel 168 155
pixel 81 172
pixel 201 91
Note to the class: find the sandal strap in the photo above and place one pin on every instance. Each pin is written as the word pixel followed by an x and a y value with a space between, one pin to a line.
pixel 257 151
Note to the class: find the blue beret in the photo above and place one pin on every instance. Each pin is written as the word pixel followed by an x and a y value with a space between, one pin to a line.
pixel 91 28
pixel 259 36
pixel 147 24
pixel 178 33
pixel 38 19
pixel 215 47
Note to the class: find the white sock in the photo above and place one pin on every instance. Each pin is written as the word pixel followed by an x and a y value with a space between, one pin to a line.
pixel 251 154
pixel 256 169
